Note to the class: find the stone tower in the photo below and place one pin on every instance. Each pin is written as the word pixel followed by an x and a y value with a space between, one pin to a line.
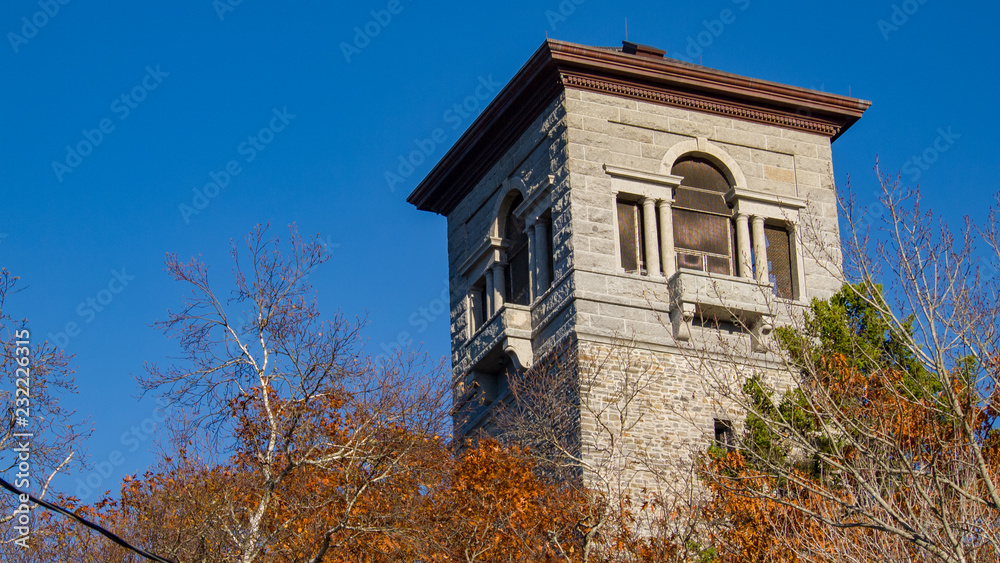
pixel 611 193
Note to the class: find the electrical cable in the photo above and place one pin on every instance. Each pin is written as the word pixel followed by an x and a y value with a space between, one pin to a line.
pixel 108 534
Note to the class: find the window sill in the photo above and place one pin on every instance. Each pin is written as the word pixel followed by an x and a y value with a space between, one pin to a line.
pixel 641 275
pixel 743 301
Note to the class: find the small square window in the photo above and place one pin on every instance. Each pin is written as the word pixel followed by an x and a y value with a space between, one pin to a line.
pixel 724 437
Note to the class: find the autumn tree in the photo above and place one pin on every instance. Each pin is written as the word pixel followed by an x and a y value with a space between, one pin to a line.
pixel 886 445
pixel 298 402
pixel 37 376
pixel 295 446
pixel 485 504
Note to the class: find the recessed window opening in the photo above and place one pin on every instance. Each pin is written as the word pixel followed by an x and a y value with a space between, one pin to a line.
pixel 518 282
pixel 724 437
pixel 703 230
pixel 631 238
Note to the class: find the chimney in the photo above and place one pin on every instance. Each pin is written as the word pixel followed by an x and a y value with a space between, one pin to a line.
pixel 642 50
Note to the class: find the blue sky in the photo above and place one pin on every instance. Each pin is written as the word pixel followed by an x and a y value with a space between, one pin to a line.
pixel 168 96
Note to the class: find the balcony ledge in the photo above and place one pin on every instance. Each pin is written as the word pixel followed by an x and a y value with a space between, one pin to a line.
pixel 746 302
pixel 509 328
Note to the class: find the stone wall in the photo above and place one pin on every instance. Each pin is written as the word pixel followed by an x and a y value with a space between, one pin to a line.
pixel 619 313
pixel 604 130
pixel 566 154
pixel 646 415
pixel 535 163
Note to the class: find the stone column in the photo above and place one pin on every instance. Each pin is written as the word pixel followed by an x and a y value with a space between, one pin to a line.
pixel 668 256
pixel 532 264
pixel 760 249
pixel 498 286
pixel 490 308
pixel 542 262
pixel 743 246
pixel 649 229
pixel 476 299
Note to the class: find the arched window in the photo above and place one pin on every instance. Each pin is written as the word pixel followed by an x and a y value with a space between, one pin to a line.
pixel 518 280
pixel 703 231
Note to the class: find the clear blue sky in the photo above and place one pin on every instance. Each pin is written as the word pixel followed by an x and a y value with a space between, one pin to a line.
pixel 198 81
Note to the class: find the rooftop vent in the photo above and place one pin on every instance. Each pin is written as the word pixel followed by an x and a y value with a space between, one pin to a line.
pixel 642 50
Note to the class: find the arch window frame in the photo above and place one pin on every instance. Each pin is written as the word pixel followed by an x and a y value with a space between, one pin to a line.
pixel 702 220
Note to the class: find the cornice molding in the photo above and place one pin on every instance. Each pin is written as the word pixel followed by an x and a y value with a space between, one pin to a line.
pixel 558 65
pixel 621 88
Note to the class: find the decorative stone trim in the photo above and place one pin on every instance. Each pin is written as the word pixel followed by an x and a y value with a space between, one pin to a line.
pixel 740 195
pixel 687 102
pixel 486 253
pixel 723 297
pixel 654 192
pixel 509 329
pixel 537 200
pixel 642 176
pixel 702 147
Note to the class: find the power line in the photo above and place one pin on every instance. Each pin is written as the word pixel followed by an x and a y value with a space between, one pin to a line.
pixel 106 533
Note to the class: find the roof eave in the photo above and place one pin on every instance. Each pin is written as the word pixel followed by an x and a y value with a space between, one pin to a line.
pixel 542 78
pixel 527 84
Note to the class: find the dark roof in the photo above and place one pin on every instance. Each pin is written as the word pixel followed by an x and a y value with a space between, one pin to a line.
pixel 644 76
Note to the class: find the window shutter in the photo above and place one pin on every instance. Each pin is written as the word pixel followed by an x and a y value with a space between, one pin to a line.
pixel 690 261
pixel 701 200
pixel 779 261
pixel 629 235
pixel 702 174
pixel 701 232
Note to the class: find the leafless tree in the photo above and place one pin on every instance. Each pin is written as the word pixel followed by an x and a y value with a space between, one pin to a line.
pixel 52 434
pixel 580 411
pixel 296 398
pixel 875 415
